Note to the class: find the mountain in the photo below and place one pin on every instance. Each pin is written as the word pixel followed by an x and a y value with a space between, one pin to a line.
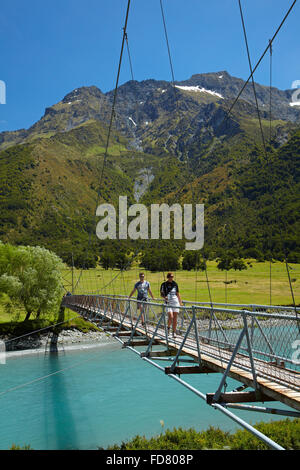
pixel 169 143
pixel 141 104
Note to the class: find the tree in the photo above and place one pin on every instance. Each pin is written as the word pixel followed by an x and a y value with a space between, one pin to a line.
pixel 157 260
pixel 10 285
pixel 193 260
pixel 122 260
pixel 107 259
pixel 31 275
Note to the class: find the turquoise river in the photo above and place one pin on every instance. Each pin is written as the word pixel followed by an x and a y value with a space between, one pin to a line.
pixel 101 396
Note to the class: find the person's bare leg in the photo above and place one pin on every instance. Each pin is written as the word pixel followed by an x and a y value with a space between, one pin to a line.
pixel 170 319
pixel 174 321
pixel 142 316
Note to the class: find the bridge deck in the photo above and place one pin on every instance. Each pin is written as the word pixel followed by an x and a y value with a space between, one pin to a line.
pixel 216 359
pixel 210 359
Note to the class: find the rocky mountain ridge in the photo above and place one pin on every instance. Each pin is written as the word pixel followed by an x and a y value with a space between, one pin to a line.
pixel 140 104
pixel 168 144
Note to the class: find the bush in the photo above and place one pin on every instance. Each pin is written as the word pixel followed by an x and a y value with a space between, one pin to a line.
pixel 285 432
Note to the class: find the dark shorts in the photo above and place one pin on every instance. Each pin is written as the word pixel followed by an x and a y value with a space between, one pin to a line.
pixel 142 300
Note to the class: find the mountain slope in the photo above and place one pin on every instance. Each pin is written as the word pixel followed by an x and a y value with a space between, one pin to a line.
pixel 50 188
pixel 140 104
pixel 172 144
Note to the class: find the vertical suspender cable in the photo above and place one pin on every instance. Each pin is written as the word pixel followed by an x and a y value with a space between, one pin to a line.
pixel 110 125
pixel 167 41
pixel 281 221
pixel 270 139
pixel 115 94
pixel 261 57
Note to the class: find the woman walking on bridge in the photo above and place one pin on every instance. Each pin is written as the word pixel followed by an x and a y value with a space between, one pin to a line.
pixel 169 290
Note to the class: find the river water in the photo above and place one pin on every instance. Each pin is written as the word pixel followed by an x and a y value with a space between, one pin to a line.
pixel 102 396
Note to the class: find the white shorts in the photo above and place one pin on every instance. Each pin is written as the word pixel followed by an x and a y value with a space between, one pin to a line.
pixel 173 308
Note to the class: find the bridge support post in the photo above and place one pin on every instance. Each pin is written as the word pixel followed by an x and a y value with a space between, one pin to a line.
pixel 134 328
pixel 223 380
pixel 193 322
pixel 162 317
pixel 121 323
pixel 250 351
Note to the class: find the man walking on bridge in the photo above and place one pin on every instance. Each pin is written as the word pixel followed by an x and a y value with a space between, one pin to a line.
pixel 142 287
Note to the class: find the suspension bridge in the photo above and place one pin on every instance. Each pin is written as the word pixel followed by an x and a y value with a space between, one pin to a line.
pixel 255 345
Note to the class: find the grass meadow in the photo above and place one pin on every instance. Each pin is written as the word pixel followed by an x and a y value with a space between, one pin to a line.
pixel 251 286
pixel 257 285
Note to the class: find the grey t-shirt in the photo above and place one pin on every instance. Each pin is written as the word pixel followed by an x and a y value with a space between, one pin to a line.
pixel 142 288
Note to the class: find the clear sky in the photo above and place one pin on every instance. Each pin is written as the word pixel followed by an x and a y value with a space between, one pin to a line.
pixel 50 47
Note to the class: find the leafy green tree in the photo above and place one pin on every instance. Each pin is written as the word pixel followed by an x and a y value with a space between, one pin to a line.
pixel 163 259
pixel 31 275
pixel 123 261
pixel 193 260
pixel 85 260
pixel 226 263
pixel 107 259
pixel 238 265
pixel 10 285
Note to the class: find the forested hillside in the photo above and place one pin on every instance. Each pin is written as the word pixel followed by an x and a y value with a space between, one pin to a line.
pixel 169 144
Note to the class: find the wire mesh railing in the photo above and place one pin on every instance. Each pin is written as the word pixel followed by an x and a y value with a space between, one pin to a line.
pixel 264 342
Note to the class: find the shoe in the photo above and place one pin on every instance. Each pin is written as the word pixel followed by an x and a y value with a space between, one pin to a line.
pixel 174 334
pixel 168 330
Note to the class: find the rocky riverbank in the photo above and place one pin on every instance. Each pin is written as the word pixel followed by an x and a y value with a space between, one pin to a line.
pixel 49 341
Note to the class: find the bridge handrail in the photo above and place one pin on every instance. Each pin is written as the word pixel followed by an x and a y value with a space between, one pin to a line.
pixel 270 307
pixel 217 330
pixel 198 307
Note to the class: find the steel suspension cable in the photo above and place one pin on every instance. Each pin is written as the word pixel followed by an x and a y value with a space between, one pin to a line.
pixel 129 56
pixel 252 76
pixel 261 58
pixel 109 127
pixel 167 42
pixel 41 329
pixel 257 107
pixel 173 81
pixel 268 161
pixel 270 140
pixel 114 97
pixel 38 379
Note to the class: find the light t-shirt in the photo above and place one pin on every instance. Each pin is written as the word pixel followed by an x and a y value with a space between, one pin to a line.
pixel 142 287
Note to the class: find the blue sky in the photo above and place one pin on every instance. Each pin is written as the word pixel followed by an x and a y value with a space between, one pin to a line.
pixel 48 48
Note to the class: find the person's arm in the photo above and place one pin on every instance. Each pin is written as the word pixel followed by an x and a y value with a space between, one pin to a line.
pixel 178 295
pixel 150 292
pixel 132 292
pixel 162 292
pixel 179 298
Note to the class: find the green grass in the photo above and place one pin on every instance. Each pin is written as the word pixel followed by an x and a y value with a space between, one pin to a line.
pixel 12 320
pixel 251 286
pixel 246 287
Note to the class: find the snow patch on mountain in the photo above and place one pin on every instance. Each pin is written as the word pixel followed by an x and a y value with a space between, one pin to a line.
pixel 134 123
pixel 198 89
